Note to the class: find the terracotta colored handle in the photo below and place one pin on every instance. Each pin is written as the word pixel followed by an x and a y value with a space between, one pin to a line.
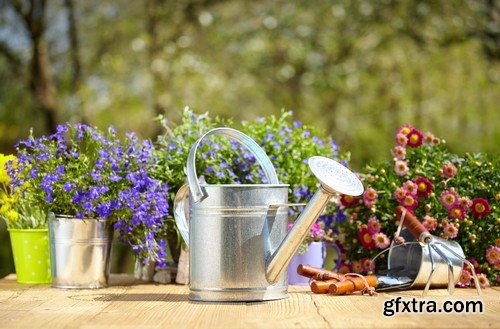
pixel 322 287
pixel 411 222
pixel 317 273
pixel 351 284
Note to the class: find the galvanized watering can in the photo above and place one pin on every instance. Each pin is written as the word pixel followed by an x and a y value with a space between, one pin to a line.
pixel 238 239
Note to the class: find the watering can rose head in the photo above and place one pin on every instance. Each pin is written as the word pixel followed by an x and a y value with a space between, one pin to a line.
pixel 88 173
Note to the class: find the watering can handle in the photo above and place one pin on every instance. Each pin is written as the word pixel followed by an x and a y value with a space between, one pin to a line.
pixel 196 192
pixel 180 212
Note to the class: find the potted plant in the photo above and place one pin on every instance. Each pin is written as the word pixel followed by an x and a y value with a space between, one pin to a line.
pixel 27 226
pixel 221 161
pixel 92 182
pixel 454 197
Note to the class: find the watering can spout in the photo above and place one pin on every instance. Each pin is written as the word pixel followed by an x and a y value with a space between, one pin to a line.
pixel 278 262
pixel 333 178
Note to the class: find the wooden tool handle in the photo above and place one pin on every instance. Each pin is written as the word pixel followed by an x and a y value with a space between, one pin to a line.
pixel 317 273
pixel 351 284
pixel 411 222
pixel 322 287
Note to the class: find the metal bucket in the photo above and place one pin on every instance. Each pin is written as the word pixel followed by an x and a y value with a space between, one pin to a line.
pixel 80 252
pixel 413 260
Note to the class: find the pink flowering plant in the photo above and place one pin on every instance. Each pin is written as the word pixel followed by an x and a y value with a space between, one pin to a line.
pixel 455 197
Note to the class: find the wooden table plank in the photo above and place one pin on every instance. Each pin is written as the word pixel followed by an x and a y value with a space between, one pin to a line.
pixel 130 304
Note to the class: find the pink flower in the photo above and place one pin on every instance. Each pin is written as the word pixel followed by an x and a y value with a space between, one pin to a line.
pixel 366 239
pixel 483 281
pixel 347 200
pixel 369 197
pixel 410 201
pixel 370 194
pixel 410 187
pixel 401 168
pixel 450 231
pixel 430 223
pixel 367 264
pixel 401 140
pixel 493 255
pixel 381 240
pixel 449 170
pixel 429 137
pixel 399 152
pixel 449 198
pixel 317 233
pixel 405 129
pixel 399 194
pixel 457 212
pixel 415 138
pixel 480 207
pixel 424 186
pixel 357 267
pixel 465 202
pixel 373 225
pixel 344 268
pixel 465 278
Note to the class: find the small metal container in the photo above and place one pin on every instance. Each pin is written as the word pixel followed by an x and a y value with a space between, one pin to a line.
pixel 80 252
pixel 414 261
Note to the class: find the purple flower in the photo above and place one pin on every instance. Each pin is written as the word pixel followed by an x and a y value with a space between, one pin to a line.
pixel 78 197
pixel 68 186
pixel 60 171
pixel 33 172
pixel 270 136
pixel 297 124
pixel 96 175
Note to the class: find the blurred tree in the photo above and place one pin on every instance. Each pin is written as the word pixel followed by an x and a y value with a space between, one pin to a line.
pixel 356 68
pixel 39 75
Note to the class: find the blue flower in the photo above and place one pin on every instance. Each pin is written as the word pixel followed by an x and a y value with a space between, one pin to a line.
pixel 78 197
pixel 68 186
pixel 96 175
pixel 33 172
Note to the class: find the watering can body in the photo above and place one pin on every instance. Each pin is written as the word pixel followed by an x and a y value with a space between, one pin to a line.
pixel 232 234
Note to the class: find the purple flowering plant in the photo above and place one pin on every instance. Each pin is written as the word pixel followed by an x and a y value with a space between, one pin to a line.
pixel 289 144
pixel 222 161
pixel 87 173
pixel 455 197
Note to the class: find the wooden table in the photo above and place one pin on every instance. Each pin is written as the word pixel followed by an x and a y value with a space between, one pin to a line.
pixel 127 303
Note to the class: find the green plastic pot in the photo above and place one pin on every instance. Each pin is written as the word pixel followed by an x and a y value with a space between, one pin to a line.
pixel 31 255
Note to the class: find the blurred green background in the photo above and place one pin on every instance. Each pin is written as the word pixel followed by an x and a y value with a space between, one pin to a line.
pixel 357 69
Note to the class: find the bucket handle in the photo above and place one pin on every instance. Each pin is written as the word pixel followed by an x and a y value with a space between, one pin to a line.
pixel 194 186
